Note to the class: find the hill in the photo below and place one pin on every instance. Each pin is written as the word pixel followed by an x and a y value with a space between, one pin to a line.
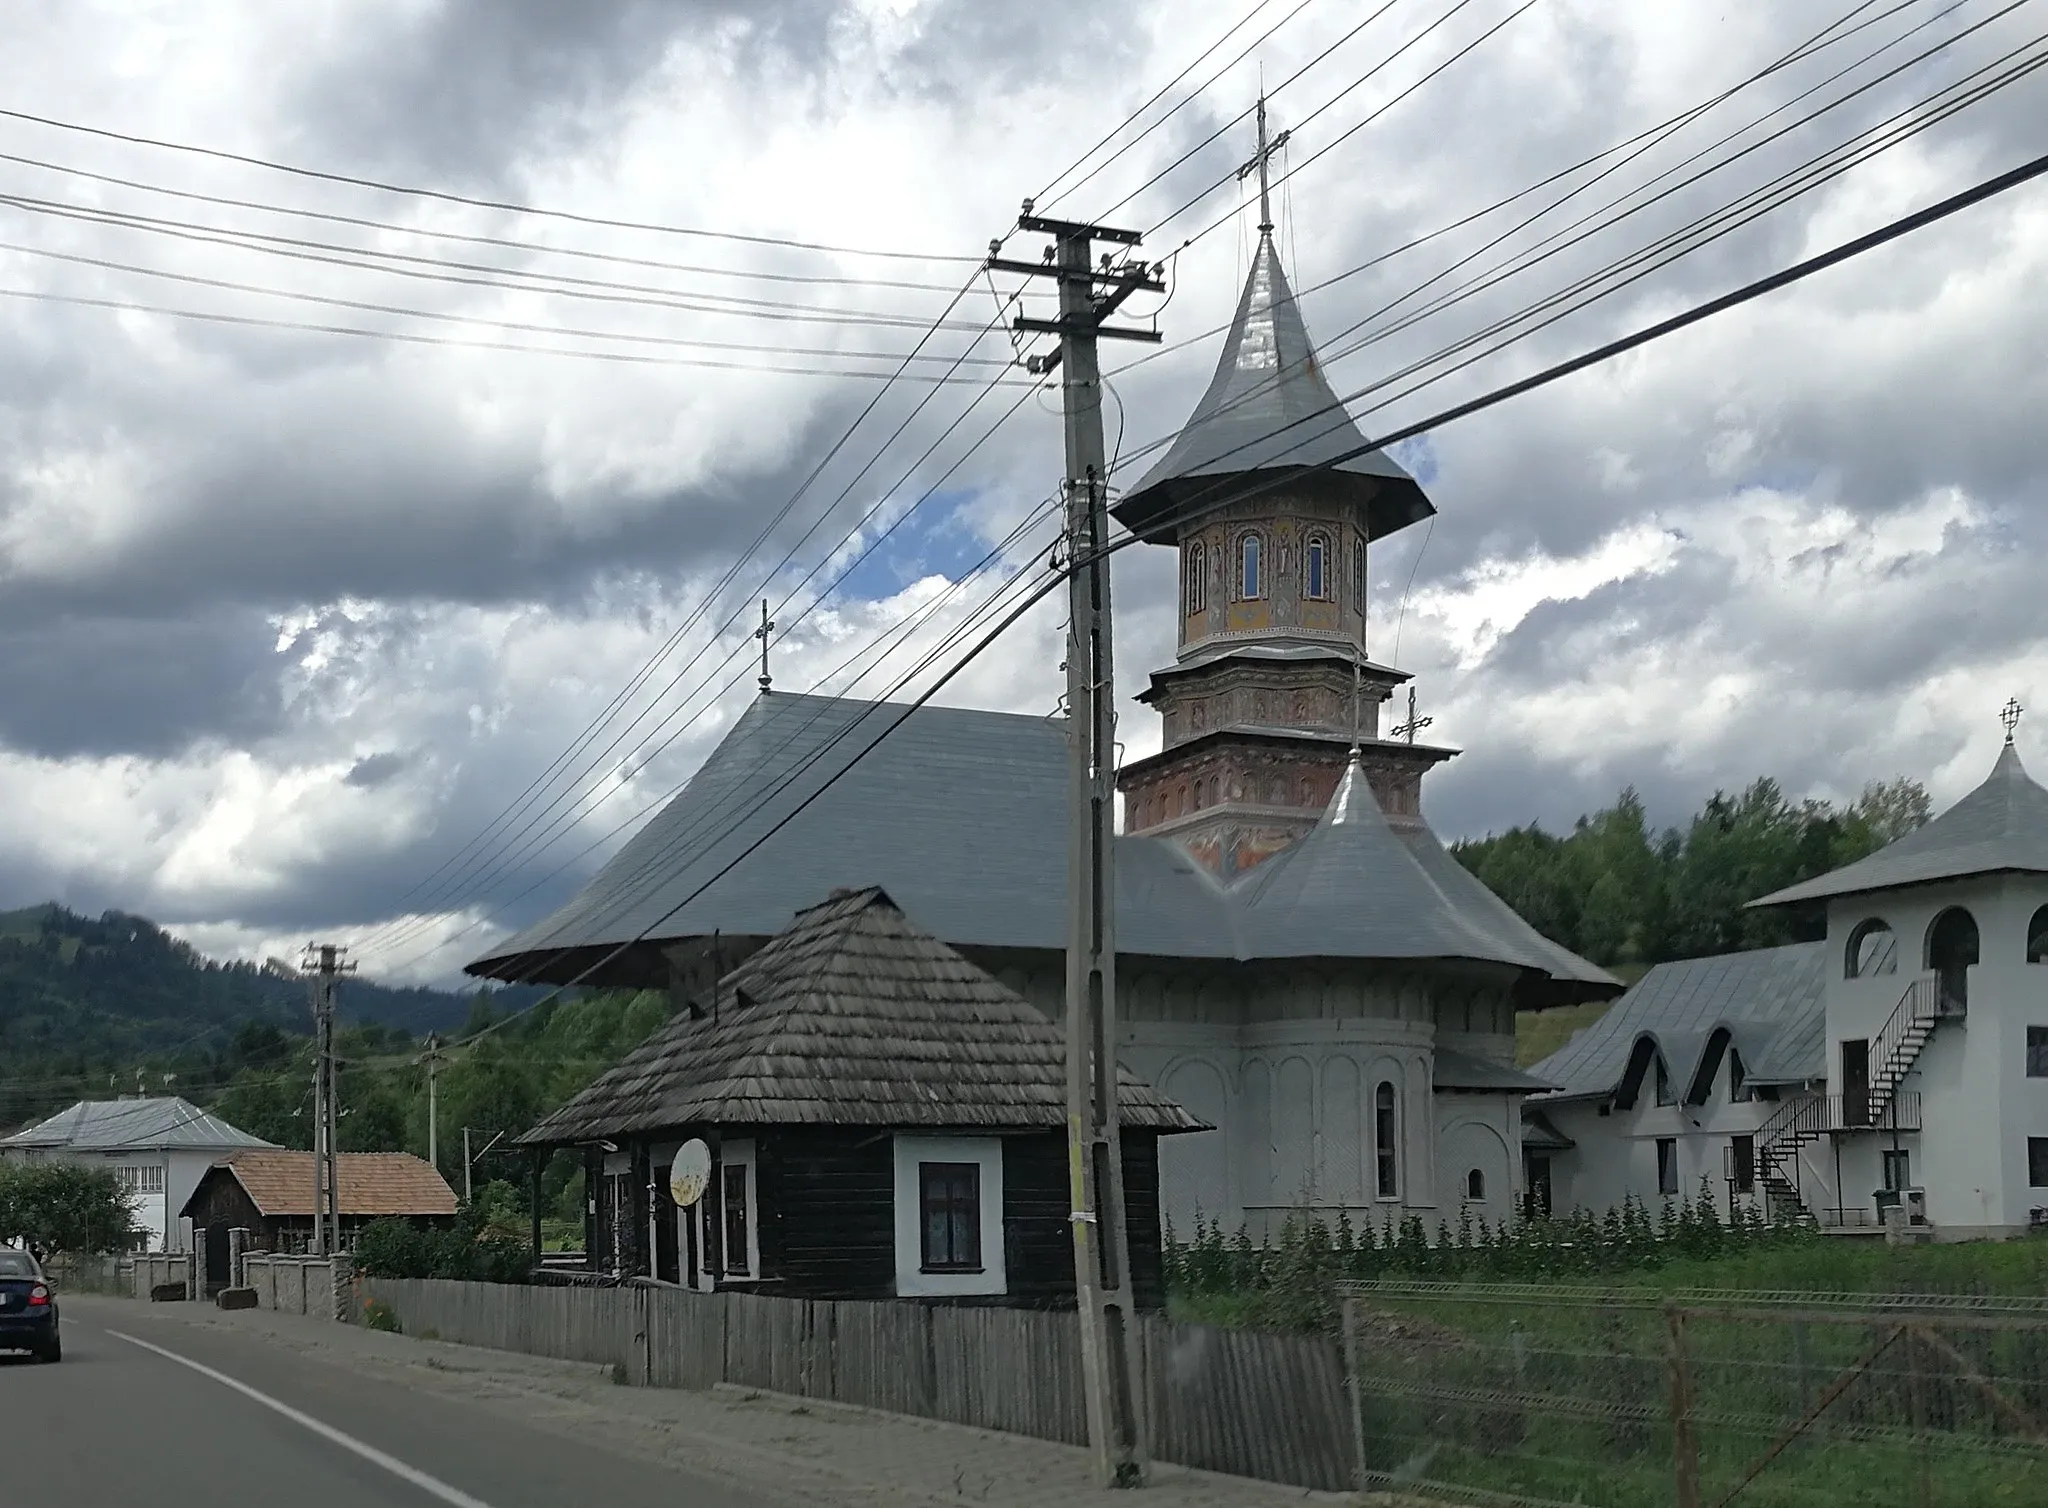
pixel 82 997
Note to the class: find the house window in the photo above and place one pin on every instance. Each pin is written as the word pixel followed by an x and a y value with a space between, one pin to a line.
pixel 1250 584
pixel 1386 1133
pixel 2037 1162
pixel 2037 1052
pixel 1742 1164
pixel 1664 1094
pixel 1315 567
pixel 1898 1169
pixel 2037 937
pixel 739 1227
pixel 1872 950
pixel 1667 1166
pixel 1358 576
pixel 949 1216
pixel 1475 1184
pixel 1198 577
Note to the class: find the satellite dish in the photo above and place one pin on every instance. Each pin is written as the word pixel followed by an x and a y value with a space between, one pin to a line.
pixel 691 1174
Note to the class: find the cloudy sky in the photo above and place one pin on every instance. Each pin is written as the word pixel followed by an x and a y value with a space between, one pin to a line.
pixel 306 607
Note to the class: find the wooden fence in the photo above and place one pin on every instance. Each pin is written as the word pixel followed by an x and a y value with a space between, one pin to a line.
pixel 1243 1402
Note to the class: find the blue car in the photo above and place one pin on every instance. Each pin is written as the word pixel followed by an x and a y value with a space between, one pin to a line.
pixel 28 1308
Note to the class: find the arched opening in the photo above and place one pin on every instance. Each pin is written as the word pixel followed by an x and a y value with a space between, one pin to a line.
pixel 1315 567
pixel 1358 575
pixel 1386 1139
pixel 2037 937
pixel 1951 950
pixel 1198 578
pixel 1250 584
pixel 1475 1184
pixel 1872 950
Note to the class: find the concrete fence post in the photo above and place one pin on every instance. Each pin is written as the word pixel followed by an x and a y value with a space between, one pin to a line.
pixel 341 1291
pixel 238 1249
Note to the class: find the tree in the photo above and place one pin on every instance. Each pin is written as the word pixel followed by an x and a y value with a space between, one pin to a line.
pixel 65 1207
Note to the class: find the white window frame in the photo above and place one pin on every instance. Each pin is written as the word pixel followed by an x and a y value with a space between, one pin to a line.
pixel 740 1154
pixel 912 1281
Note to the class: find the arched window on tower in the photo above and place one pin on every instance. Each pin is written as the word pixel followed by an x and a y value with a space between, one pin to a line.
pixel 1315 568
pixel 2037 937
pixel 1358 575
pixel 1250 582
pixel 1386 1141
pixel 1873 950
pixel 1198 577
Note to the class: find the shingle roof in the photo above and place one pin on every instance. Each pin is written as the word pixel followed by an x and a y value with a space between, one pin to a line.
pixel 2000 826
pixel 1269 411
pixel 366 1183
pixel 1769 1001
pixel 113 1125
pixel 961 816
pixel 854 1016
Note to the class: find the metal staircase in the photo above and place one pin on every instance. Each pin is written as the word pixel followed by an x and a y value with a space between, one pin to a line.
pixel 1882 1107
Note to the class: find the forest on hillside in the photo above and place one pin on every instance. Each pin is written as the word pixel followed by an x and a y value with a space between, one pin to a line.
pixel 1621 893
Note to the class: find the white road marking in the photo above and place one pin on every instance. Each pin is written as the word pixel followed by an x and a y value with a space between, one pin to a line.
pixel 428 1484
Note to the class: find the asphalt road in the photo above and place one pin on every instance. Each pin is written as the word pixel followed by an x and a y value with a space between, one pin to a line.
pixel 116 1422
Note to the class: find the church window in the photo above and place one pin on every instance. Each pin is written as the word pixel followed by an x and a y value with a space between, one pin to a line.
pixel 1315 567
pixel 1250 583
pixel 1475 1184
pixel 1873 949
pixel 2037 937
pixel 1386 1141
pixel 1358 575
pixel 1198 578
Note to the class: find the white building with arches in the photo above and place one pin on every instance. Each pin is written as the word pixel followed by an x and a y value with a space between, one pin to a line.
pixel 1903 1060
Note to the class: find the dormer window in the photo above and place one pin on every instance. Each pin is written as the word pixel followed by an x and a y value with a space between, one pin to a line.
pixel 1665 1096
pixel 1250 582
pixel 1315 568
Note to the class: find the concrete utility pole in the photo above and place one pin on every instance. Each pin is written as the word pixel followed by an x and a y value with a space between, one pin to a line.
pixel 324 960
pixel 1109 1338
pixel 432 1058
pixel 467 1161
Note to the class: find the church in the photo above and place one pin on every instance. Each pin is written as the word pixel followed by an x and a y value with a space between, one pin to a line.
pixel 1302 965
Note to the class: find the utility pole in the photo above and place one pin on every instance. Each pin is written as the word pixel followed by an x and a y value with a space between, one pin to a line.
pixel 432 1058
pixel 325 962
pixel 466 1161
pixel 1109 1338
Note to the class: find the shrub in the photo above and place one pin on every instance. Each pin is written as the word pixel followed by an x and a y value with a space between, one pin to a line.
pixel 378 1315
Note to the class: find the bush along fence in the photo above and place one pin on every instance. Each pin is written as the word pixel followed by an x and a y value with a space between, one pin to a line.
pixel 1289 1282
pixel 1251 1404
pixel 1571 1394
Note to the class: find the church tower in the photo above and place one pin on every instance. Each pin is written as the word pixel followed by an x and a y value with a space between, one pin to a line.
pixel 1272 685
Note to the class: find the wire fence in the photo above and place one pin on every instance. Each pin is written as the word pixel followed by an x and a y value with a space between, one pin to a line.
pixel 1615 1398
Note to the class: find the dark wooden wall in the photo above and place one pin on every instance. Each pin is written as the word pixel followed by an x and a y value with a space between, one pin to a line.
pixel 1039 1250
pixel 827 1213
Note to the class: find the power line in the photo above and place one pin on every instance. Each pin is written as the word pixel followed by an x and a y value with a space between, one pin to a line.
pixel 444 196
pixel 366 306
pixel 467 238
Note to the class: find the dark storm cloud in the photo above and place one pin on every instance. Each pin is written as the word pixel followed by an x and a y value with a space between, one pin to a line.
pixel 99 686
pixel 374 770
pixel 477 85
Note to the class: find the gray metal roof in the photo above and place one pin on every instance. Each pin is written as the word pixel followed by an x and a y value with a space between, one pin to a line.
pixel 1464 1070
pixel 117 1125
pixel 1999 827
pixel 1769 1001
pixel 962 816
pixel 1269 411
pixel 1540 1135
pixel 854 1016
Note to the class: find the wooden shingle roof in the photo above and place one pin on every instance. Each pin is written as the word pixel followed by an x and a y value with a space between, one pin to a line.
pixel 853 1016
pixel 366 1183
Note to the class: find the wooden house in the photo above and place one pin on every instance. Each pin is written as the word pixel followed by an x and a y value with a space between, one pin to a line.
pixel 269 1193
pixel 882 1119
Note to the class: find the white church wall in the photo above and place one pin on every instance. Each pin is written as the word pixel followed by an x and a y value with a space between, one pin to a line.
pixel 1478 1133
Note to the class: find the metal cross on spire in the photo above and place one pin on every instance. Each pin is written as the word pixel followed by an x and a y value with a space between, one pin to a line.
pixel 2009 714
pixel 767 627
pixel 1258 165
pixel 1415 724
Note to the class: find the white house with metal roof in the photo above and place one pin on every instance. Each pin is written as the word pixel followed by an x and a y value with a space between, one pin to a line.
pixel 1903 1060
pixel 1300 963
pixel 158 1147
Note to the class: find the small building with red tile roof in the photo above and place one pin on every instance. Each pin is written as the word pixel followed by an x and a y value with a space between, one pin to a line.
pixel 269 1193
